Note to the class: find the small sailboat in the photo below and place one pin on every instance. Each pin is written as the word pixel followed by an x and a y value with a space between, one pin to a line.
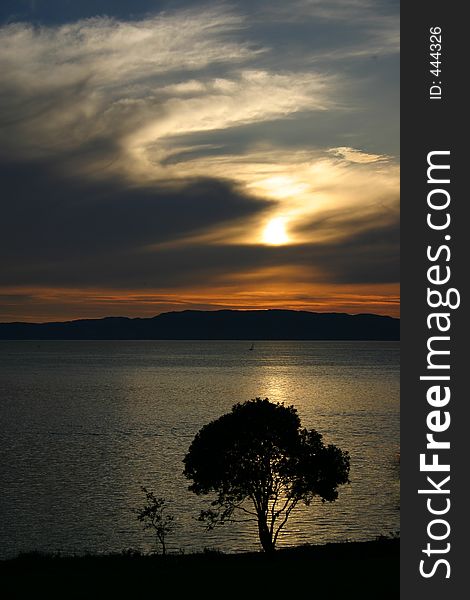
pixel 252 347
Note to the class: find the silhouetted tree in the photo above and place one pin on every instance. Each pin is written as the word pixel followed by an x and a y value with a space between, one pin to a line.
pixel 153 516
pixel 261 465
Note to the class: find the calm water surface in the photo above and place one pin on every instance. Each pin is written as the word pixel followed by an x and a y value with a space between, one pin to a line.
pixel 84 424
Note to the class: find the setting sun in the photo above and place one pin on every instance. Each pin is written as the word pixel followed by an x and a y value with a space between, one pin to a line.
pixel 275 232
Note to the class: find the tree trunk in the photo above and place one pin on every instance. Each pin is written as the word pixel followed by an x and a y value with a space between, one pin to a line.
pixel 265 537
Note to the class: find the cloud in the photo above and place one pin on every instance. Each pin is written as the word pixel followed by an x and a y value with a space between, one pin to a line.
pixel 66 222
pixel 307 186
pixel 138 83
pixel 92 234
pixel 329 31
pixel 357 156
pixel 146 156
pixel 89 77
pixel 134 89
pixel 368 256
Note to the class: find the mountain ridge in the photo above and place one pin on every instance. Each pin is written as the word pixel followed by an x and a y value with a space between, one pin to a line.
pixel 226 324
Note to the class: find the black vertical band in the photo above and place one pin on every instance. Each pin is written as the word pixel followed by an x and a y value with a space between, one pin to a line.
pixel 433 120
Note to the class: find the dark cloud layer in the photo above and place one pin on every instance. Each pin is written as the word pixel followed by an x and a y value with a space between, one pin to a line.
pixel 60 231
pixel 49 219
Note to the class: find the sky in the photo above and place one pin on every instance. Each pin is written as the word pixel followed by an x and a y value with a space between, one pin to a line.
pixel 162 155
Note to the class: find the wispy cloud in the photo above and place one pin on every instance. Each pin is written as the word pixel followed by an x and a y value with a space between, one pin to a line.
pixel 91 77
pixel 354 155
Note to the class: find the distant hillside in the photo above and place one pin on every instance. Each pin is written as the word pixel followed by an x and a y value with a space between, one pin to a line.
pixel 249 325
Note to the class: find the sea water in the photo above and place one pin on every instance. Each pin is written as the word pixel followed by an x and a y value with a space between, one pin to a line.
pixel 85 424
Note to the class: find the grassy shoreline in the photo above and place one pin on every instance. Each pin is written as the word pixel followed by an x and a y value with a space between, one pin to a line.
pixel 358 569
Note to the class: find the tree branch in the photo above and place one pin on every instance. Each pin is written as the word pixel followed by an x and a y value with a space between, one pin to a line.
pixel 288 512
pixel 245 510
pixel 241 520
pixel 273 513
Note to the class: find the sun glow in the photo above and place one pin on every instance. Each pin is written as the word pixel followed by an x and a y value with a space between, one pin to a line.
pixel 275 233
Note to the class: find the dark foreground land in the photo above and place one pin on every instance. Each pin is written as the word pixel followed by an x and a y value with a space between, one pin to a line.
pixel 346 570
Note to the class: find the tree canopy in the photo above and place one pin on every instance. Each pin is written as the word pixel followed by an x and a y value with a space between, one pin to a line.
pixel 261 464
